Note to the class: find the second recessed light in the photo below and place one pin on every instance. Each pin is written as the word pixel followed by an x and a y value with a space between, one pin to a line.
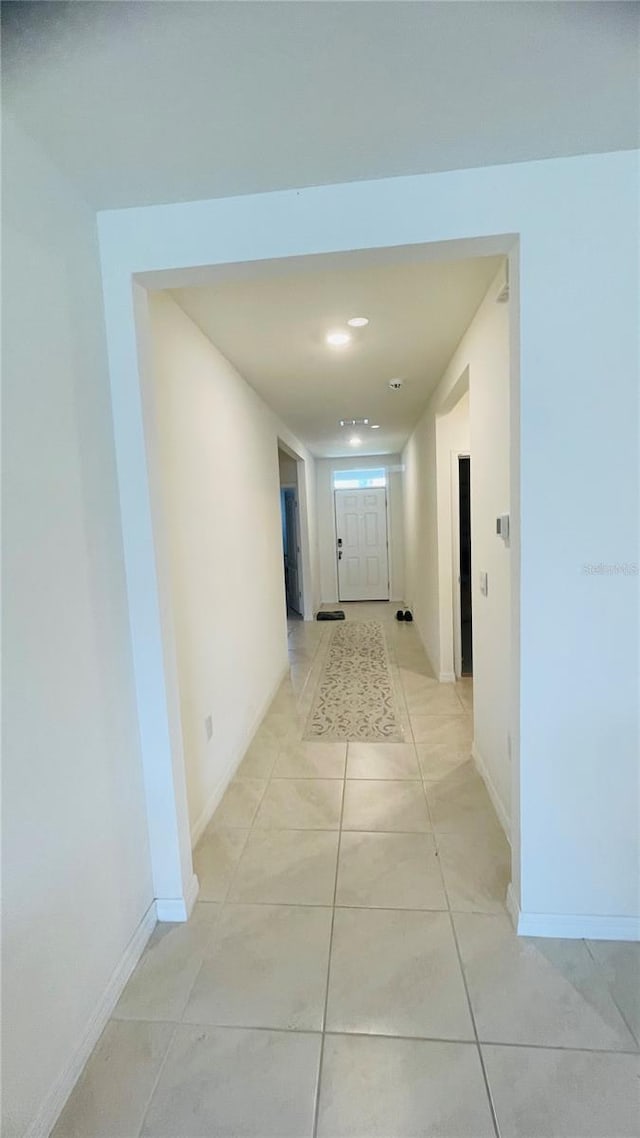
pixel 358 321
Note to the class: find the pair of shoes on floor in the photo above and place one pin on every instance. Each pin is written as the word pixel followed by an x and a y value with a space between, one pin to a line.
pixel 406 615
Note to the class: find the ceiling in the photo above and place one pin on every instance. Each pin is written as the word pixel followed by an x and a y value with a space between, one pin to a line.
pixel 142 102
pixel 273 329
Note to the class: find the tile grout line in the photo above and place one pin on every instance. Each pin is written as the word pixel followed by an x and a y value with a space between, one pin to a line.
pixel 160 1071
pixel 494 1117
pixel 473 1042
pixel 632 1054
pixel 316 1111
pixel 492 1107
pixel 348 829
pixel 601 969
pixel 464 979
pixel 373 908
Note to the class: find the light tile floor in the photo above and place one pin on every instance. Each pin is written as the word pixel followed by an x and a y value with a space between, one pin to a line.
pixel 350 969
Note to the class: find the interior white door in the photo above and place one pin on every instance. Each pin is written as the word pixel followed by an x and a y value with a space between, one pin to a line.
pixel 363 554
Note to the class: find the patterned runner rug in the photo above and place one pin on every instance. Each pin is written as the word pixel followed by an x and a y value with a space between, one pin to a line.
pixel 356 697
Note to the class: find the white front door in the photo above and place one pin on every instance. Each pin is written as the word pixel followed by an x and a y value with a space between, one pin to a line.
pixel 363 556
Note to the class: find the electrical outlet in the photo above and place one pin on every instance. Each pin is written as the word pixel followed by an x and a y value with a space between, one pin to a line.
pixel 208 727
pixel 484 584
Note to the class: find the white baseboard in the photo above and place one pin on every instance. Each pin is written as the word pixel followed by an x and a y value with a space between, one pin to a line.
pixel 447 677
pixel 53 1103
pixel 572 926
pixel 498 805
pixel 178 908
pixel 212 803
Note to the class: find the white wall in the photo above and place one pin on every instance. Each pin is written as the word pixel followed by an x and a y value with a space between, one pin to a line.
pixel 219 470
pixel 426 463
pixel 420 486
pixel 327 522
pixel 453 437
pixel 486 350
pixel 479 422
pixel 76 869
pixel 573 659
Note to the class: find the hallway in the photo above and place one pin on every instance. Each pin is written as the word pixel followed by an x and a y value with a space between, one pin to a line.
pixel 350 969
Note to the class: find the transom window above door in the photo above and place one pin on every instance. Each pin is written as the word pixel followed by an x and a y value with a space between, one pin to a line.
pixel 359 479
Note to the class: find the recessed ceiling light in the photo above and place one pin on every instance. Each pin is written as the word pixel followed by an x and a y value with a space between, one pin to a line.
pixel 355 441
pixel 338 339
pixel 358 321
pixel 375 426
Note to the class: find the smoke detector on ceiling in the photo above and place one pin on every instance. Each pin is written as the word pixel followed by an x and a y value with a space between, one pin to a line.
pixel 395 384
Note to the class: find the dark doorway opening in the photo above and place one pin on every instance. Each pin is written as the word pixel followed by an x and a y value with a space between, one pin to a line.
pixel 466 626
pixel 291 541
pixel 291 551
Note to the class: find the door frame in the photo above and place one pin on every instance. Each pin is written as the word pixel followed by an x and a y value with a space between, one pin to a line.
pixel 362 490
pixel 192 243
pixel 395 534
pixel 304 527
pixel 455 456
